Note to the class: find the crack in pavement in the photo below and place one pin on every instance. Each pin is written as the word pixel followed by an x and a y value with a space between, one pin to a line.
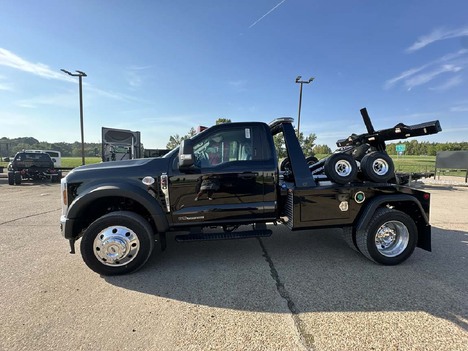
pixel 306 339
pixel 29 216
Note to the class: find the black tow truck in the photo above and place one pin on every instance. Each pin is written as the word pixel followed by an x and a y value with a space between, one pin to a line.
pixel 32 166
pixel 229 177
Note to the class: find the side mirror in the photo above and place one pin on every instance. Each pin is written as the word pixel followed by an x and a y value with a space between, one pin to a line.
pixel 54 160
pixel 186 156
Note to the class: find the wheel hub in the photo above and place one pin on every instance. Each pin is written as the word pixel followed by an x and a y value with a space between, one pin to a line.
pixel 116 246
pixel 392 238
pixel 343 168
pixel 380 166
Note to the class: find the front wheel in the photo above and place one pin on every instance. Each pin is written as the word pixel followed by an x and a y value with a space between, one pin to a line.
pixel 389 238
pixel 17 178
pixel 117 243
pixel 11 178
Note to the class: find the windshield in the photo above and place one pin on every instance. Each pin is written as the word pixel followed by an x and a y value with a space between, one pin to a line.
pixel 172 152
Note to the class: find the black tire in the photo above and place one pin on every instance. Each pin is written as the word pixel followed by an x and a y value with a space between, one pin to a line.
pixel 117 243
pixel 387 223
pixel 311 160
pixel 350 238
pixel 341 168
pixel 285 165
pixel 18 178
pixel 378 167
pixel 11 178
pixel 54 178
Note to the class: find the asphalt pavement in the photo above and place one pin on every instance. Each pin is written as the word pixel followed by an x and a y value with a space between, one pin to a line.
pixel 292 291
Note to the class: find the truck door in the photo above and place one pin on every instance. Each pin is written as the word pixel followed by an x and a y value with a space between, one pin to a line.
pixel 231 181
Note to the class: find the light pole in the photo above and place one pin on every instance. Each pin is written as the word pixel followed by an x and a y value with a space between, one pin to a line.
pixel 298 80
pixel 80 76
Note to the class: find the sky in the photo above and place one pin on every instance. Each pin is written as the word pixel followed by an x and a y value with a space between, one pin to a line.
pixel 161 67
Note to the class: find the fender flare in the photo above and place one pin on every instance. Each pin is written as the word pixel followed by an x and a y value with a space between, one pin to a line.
pixel 424 228
pixel 128 190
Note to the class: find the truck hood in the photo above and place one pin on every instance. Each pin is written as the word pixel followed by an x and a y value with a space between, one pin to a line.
pixel 139 168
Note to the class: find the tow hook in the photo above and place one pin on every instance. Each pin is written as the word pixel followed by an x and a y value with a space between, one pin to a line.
pixel 72 245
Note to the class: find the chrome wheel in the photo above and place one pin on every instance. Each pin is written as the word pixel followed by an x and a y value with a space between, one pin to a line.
pixel 340 168
pixel 377 167
pixel 389 238
pixel 343 168
pixel 380 167
pixel 392 238
pixel 116 246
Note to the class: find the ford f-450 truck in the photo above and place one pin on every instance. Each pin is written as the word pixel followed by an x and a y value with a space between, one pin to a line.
pixel 228 177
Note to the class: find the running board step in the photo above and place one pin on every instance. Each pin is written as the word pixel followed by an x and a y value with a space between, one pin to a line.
pixel 224 236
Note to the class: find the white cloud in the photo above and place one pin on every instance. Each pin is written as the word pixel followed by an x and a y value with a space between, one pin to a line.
pixel 437 35
pixel 425 77
pixel 63 100
pixel 5 86
pixel 452 82
pixel 447 64
pixel 9 59
pixel 134 79
pixel 462 108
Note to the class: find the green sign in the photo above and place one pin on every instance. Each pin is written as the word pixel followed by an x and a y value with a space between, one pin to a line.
pixel 400 148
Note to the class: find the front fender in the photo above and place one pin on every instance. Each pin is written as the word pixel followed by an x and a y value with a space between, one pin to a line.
pixel 127 190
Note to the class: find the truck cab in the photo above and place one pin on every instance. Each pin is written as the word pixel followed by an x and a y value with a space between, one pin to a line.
pixel 225 175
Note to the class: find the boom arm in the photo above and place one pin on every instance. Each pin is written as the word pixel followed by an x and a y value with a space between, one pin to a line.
pixel 378 138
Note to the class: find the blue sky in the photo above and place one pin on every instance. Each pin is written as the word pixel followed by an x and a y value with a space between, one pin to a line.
pixel 162 67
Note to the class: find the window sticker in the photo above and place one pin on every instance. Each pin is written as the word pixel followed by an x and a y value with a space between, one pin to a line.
pixel 247 133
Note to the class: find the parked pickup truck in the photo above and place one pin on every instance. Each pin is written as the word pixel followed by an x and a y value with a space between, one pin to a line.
pixel 228 177
pixel 32 166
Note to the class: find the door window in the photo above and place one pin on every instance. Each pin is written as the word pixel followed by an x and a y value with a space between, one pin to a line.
pixel 225 146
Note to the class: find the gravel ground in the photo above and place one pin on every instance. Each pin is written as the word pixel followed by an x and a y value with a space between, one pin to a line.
pixel 293 291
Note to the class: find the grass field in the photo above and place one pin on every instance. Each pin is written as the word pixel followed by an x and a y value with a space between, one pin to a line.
pixel 402 163
pixel 72 162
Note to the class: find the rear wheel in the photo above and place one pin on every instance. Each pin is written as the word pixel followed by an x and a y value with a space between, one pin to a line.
pixel 341 168
pixel 390 237
pixel 349 238
pixel 117 243
pixel 378 167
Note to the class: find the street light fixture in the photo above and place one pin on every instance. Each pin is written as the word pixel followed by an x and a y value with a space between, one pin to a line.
pixel 80 76
pixel 301 82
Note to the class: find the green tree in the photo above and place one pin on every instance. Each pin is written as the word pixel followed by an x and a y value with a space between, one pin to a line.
pixel 280 146
pixel 308 145
pixel 223 120
pixel 322 149
pixel 175 140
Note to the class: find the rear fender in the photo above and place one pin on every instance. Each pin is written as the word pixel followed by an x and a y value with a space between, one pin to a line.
pixel 404 203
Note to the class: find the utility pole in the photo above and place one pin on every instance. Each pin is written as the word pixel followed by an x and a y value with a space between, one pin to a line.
pixel 301 82
pixel 80 76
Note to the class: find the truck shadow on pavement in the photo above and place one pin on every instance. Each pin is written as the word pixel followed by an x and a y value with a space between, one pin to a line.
pixel 308 271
